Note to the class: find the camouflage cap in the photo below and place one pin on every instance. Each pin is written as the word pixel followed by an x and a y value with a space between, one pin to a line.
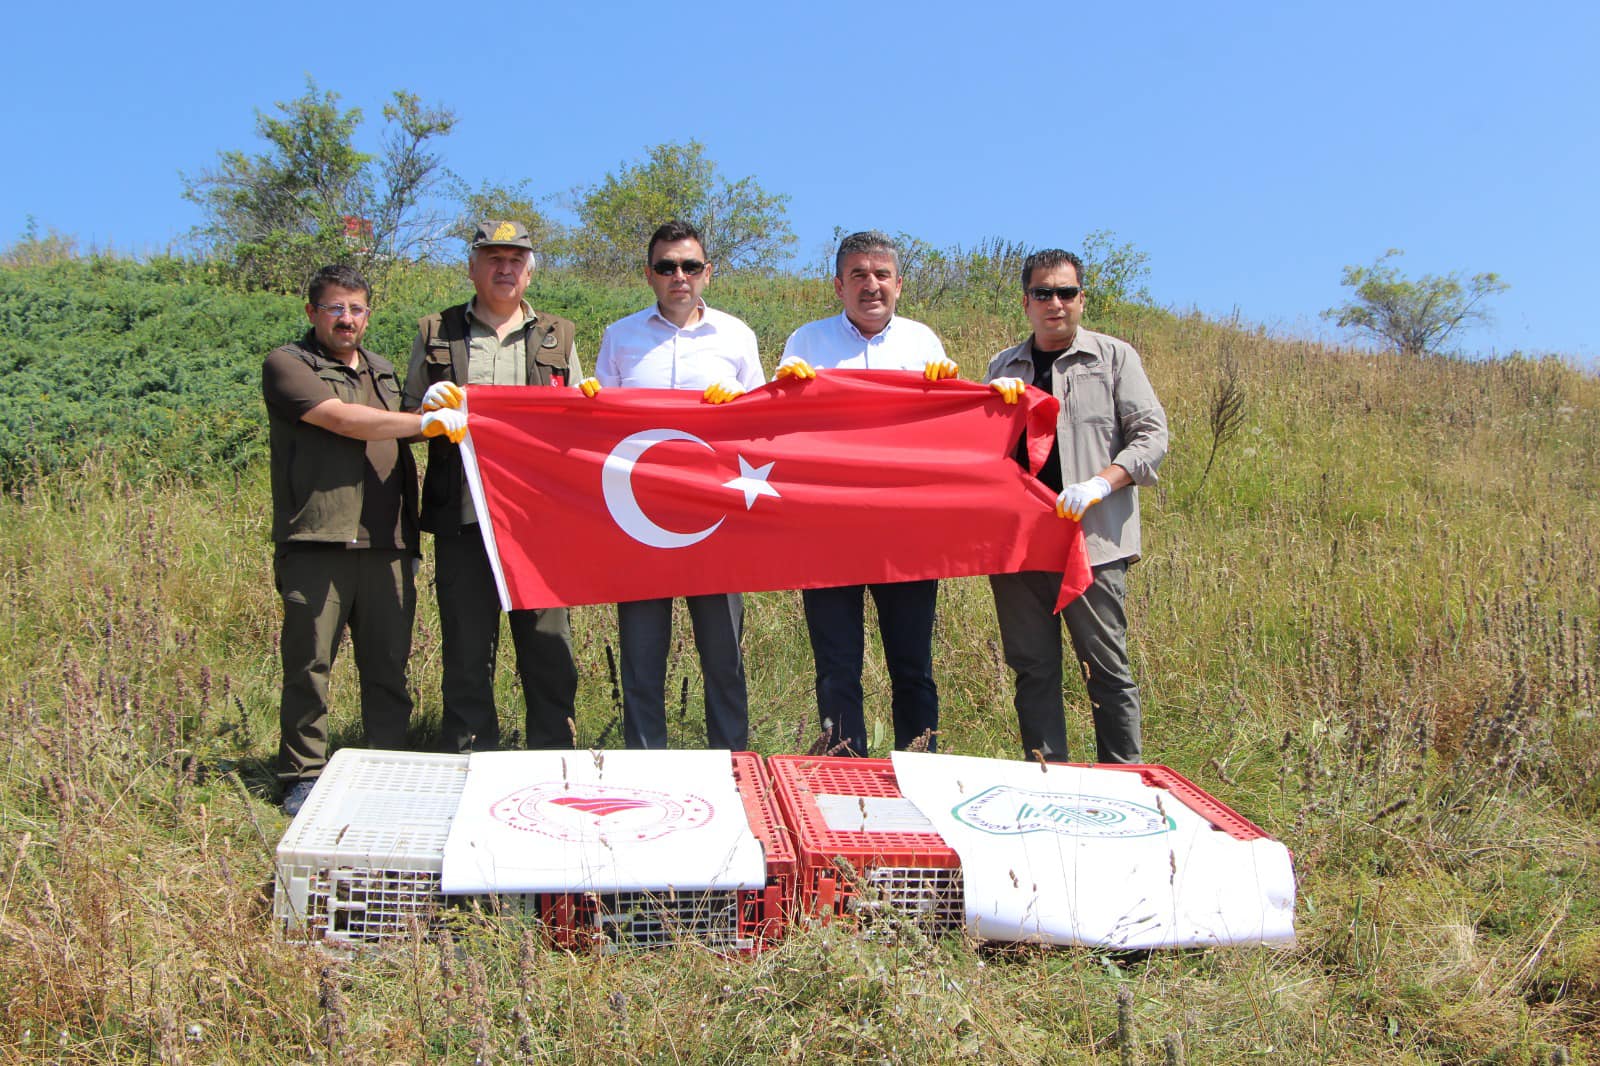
pixel 497 233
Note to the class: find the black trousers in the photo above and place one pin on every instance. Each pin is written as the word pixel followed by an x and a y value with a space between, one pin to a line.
pixel 645 631
pixel 469 620
pixel 834 618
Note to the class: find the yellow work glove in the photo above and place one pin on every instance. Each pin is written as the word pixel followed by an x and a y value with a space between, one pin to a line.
pixel 589 387
pixel 1010 389
pixel 446 421
pixel 796 368
pixel 723 391
pixel 442 394
pixel 939 369
pixel 1076 499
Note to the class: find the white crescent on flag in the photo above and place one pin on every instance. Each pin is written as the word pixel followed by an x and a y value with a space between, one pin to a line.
pixel 616 485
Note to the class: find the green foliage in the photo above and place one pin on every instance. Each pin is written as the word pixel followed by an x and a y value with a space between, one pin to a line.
pixel 312 198
pixel 744 227
pixel 153 367
pixel 1414 317
pixel 1113 273
pixel 96 358
pixel 516 202
pixel 988 276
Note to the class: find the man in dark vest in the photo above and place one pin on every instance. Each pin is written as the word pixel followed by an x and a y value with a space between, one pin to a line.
pixel 344 523
pixel 495 338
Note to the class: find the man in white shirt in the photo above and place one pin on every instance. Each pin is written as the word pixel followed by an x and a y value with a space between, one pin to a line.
pixel 868 335
pixel 680 343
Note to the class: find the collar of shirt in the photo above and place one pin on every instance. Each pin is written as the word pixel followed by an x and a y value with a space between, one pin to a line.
pixel 529 317
pixel 701 322
pixel 836 344
pixel 310 343
pixel 646 350
pixel 850 328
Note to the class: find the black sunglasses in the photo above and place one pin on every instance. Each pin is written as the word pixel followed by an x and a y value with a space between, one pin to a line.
pixel 1042 293
pixel 668 267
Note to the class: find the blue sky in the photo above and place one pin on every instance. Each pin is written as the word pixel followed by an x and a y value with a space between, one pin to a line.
pixel 1252 149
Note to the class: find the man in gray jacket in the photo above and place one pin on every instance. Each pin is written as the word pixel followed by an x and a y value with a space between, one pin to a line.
pixel 1111 436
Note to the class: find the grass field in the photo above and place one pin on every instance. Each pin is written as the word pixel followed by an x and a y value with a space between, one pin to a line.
pixel 1373 627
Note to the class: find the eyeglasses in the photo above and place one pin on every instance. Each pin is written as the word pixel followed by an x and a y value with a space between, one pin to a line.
pixel 339 310
pixel 1042 293
pixel 668 267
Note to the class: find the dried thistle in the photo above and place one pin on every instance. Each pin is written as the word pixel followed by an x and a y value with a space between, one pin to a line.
pixel 335 1019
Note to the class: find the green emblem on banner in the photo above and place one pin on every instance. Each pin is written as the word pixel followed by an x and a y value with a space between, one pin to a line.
pixel 1006 811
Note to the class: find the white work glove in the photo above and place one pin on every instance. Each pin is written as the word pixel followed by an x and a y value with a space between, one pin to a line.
pixel 1076 499
pixel 1010 389
pixel 589 386
pixel 442 394
pixel 794 367
pixel 447 422
pixel 723 391
pixel 938 369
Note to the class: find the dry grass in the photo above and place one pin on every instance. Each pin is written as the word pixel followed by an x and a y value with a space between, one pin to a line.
pixel 1374 628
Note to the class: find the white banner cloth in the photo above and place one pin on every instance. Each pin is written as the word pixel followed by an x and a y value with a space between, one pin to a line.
pixel 1096 858
pixel 603 821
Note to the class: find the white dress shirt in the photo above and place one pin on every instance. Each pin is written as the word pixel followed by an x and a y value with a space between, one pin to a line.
pixel 646 351
pixel 835 344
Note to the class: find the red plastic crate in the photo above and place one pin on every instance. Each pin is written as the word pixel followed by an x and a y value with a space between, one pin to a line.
pixel 748 920
pixel 853 871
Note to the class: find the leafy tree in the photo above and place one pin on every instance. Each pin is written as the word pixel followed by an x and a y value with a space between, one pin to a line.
pixel 1416 317
pixel 313 198
pixel 490 200
pixel 1112 273
pixel 744 226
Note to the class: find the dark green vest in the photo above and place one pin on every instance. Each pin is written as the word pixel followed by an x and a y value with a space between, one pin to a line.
pixel 446 340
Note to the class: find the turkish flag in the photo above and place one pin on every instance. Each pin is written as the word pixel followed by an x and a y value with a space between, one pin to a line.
pixel 851 478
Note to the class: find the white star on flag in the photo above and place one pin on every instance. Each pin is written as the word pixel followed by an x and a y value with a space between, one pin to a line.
pixel 752 480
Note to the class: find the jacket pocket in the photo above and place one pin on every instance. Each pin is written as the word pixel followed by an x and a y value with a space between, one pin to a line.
pixel 1091 397
pixel 341 382
pixel 388 389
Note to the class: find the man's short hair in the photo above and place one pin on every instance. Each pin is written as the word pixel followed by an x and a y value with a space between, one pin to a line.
pixel 868 241
pixel 1048 259
pixel 337 276
pixel 666 233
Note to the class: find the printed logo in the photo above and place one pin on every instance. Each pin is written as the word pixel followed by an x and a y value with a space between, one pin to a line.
pixel 1006 811
pixel 583 813
pixel 505 232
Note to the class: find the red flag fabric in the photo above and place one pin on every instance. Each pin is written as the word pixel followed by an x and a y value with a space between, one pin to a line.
pixel 845 479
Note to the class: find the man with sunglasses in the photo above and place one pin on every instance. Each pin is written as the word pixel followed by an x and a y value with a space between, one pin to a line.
pixel 495 338
pixel 1111 435
pixel 344 523
pixel 868 335
pixel 680 343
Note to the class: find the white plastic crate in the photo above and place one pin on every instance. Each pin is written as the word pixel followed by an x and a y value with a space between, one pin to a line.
pixel 361 863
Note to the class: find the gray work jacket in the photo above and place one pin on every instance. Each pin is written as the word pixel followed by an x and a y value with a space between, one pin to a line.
pixel 1109 414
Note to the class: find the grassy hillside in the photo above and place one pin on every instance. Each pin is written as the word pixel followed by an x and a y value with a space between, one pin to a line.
pixel 1374 628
